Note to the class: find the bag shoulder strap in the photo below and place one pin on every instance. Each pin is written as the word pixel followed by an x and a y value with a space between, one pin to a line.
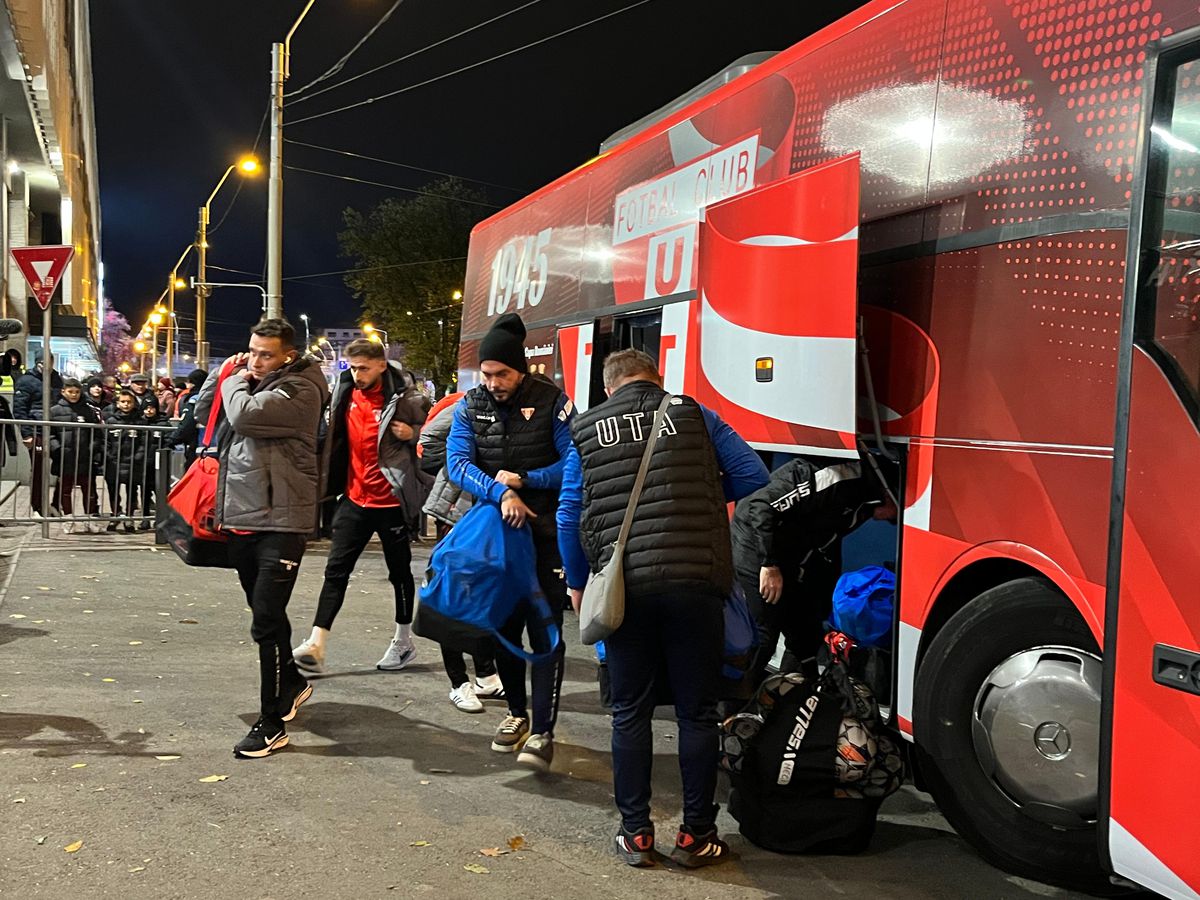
pixel 636 494
pixel 215 410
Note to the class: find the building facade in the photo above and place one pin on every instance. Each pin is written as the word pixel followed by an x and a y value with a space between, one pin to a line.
pixel 50 191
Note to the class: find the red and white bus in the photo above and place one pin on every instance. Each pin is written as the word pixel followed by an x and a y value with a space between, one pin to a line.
pixel 999 202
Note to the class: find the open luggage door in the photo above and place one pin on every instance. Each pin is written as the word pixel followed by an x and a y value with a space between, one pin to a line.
pixel 778 311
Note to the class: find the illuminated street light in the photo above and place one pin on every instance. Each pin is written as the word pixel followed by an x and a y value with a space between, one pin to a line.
pixel 457 295
pixel 247 165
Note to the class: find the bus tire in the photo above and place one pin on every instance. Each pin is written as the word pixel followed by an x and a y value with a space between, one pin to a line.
pixel 1015 676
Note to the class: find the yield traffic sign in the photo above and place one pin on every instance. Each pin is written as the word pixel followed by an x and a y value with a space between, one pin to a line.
pixel 43 268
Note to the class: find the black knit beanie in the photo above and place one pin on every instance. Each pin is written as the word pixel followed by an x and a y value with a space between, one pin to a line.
pixel 196 378
pixel 505 343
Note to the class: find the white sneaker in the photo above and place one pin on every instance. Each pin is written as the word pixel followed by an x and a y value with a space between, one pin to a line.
pixel 398 656
pixel 489 687
pixel 310 657
pixel 464 698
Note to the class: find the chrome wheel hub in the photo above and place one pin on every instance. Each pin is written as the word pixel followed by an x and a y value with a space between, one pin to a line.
pixel 1036 732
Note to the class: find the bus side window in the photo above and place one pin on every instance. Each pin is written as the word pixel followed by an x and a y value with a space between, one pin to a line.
pixel 1175 281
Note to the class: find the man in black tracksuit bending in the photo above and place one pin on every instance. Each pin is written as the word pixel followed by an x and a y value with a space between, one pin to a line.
pixel 787 550
pixel 506 446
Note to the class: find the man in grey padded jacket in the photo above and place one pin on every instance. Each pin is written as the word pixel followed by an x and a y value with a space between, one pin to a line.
pixel 268 486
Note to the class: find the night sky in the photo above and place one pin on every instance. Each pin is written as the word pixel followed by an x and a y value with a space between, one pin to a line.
pixel 181 90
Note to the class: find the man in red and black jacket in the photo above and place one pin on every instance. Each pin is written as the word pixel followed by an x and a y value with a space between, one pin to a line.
pixel 375 421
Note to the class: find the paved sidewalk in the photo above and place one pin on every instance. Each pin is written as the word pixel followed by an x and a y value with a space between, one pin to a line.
pixel 125 679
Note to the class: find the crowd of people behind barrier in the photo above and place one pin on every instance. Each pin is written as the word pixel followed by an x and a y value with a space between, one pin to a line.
pixel 105 445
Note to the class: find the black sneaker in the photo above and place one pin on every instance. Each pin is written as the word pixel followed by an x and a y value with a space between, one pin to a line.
pixel 694 850
pixel 292 699
pixel 267 736
pixel 636 848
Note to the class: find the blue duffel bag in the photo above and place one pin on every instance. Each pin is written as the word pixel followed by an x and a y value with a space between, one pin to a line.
pixel 477 576
pixel 863 606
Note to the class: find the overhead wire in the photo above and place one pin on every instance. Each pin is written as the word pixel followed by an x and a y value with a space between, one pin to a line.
pixel 403 265
pixel 394 187
pixel 341 63
pixel 417 52
pixel 388 162
pixel 467 67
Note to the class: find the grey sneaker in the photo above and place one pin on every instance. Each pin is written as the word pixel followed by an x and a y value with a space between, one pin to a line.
pixel 398 656
pixel 538 753
pixel 510 734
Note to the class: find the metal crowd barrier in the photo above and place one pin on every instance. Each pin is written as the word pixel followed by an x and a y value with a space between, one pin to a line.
pixel 83 477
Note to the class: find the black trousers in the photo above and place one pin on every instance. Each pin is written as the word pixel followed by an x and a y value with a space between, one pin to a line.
pixel 267 564
pixel 353 526
pixel 547 676
pixel 799 615
pixel 456 666
pixel 680 637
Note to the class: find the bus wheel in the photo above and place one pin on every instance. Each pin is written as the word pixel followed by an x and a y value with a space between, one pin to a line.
pixel 1007 726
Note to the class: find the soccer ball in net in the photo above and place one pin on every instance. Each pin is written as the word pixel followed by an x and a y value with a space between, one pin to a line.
pixel 856 748
pixel 887 771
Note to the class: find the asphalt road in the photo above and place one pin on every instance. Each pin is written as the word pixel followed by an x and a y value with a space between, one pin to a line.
pixel 126 678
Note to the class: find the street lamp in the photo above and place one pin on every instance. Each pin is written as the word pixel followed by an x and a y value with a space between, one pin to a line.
pixel 205 285
pixel 457 295
pixel 174 283
pixel 247 165
pixel 307 336
pixel 140 348
pixel 280 70
pixel 373 333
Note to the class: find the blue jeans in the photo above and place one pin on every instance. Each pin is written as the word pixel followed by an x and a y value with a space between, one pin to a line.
pixel 683 636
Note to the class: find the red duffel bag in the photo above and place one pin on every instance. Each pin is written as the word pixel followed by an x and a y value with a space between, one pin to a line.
pixel 189 521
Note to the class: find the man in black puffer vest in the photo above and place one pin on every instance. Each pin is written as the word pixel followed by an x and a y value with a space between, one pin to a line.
pixel 506 446
pixel 678 570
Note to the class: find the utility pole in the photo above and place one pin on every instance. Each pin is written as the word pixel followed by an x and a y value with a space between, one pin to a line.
pixel 275 187
pixel 170 326
pixel 202 288
pixel 280 70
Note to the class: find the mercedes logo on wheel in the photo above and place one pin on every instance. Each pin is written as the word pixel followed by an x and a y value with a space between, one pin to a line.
pixel 1053 740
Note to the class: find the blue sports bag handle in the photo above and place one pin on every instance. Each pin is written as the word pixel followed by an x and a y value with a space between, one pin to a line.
pixel 547 616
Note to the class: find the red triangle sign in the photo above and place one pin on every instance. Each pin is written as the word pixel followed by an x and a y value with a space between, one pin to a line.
pixel 43 268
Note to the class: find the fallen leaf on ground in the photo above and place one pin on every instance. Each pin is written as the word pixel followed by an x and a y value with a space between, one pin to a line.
pixel 493 852
pixel 166 758
pixel 422 782
pixel 212 779
pixel 137 701
pixel 441 771
pixel 477 869
pixel 188 622
pixel 419 844
pixel 17 616
pixel 516 842
pixel 41 839
pixel 73 848
pixel 134 643
pixel 137 869
pixel 109 680
pixel 42 587
pixel 79 766
pixel 19 800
